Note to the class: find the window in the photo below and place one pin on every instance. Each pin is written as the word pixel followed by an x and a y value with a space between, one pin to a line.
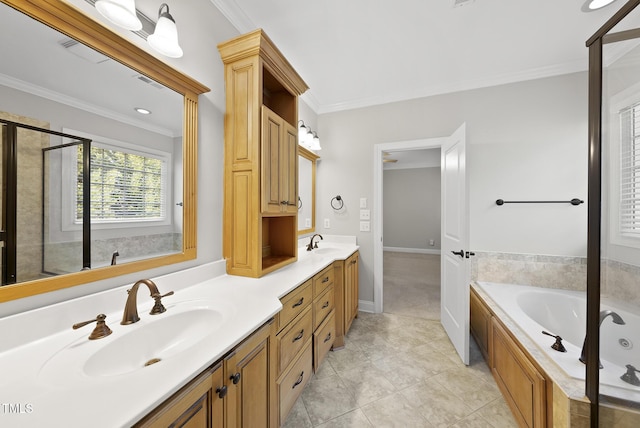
pixel 125 186
pixel 629 172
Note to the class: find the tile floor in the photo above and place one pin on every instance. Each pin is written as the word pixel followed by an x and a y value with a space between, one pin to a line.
pixel 400 370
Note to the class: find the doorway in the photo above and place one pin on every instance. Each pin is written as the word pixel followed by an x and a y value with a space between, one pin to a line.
pixel 411 232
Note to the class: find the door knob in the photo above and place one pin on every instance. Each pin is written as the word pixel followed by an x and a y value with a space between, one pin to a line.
pixel 459 253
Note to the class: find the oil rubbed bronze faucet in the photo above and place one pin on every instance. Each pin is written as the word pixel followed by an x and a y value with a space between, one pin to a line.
pixel 310 246
pixel 130 314
pixel 617 319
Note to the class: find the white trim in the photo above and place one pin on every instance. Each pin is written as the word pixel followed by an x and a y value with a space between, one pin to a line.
pixel 366 306
pixel 378 149
pixel 30 88
pixel 411 250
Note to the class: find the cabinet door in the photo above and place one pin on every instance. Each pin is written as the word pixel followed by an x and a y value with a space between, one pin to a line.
pixel 351 290
pixel 271 166
pixel 479 324
pixel 249 378
pixel 521 383
pixel 289 169
pixel 197 405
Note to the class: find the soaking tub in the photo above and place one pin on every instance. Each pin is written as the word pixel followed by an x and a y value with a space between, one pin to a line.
pixel 562 312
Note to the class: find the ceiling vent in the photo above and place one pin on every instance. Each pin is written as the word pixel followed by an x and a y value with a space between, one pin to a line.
pixel 458 3
pixel 82 51
pixel 148 81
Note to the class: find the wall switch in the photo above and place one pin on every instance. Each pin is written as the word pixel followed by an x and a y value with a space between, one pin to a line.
pixel 327 223
pixel 307 222
pixel 365 226
pixel 365 214
pixel 363 202
pixel 432 242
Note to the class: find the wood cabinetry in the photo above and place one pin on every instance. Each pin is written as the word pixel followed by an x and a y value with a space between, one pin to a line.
pixel 279 165
pixel 238 391
pixel 346 283
pixel 260 156
pixel 523 384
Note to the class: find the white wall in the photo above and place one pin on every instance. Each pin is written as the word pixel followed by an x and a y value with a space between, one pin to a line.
pixel 526 141
pixel 411 208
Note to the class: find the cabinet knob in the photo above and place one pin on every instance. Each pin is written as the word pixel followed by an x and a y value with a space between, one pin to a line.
pixel 222 391
pixel 235 378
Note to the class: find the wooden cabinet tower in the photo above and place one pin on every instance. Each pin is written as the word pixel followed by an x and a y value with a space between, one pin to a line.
pixel 260 156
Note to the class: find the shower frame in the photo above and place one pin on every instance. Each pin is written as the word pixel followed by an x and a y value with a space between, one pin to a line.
pixel 8 234
pixel 594 227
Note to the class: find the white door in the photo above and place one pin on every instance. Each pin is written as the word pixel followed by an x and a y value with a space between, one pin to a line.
pixel 455 271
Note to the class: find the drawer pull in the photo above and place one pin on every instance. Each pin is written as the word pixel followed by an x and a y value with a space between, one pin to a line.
pixel 299 381
pixel 326 279
pixel 298 303
pixel 299 336
pixel 222 391
pixel 326 305
pixel 328 338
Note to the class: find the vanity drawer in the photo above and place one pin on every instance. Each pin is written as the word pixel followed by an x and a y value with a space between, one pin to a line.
pixel 294 303
pixel 293 339
pixel 322 280
pixel 323 340
pixel 291 385
pixel 322 306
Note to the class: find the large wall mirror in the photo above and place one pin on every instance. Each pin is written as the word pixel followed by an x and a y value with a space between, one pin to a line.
pixel 92 188
pixel 306 190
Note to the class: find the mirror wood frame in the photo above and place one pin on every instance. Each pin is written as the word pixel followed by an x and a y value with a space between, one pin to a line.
pixel 308 154
pixel 73 23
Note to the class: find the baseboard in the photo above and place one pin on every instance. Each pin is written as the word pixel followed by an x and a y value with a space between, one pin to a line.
pixel 411 250
pixel 366 306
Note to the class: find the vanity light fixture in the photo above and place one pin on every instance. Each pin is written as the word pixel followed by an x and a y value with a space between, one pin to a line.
pixel 591 5
pixel 308 138
pixel 142 110
pixel 120 12
pixel 165 37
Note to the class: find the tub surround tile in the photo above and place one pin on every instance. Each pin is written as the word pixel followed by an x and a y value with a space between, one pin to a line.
pixel 569 273
pixel 620 282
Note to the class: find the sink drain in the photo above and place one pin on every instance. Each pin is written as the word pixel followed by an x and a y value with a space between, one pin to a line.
pixel 152 361
pixel 625 343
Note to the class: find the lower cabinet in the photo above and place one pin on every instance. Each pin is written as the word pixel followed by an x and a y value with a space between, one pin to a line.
pixel 236 392
pixel 526 390
pixel 346 296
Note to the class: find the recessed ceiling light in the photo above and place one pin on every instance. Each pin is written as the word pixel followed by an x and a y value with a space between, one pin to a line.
pixel 595 4
pixel 142 110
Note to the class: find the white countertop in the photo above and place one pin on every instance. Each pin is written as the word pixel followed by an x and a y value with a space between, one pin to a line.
pixel 35 339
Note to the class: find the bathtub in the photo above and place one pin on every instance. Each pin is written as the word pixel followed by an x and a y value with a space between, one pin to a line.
pixel 563 313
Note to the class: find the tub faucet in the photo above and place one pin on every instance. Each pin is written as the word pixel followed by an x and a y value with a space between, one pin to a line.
pixel 310 246
pixel 113 257
pixel 130 314
pixel 617 319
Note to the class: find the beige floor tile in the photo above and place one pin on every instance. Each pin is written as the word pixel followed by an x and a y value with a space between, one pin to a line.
pixel 354 419
pixel 326 399
pixel 475 392
pixel 298 417
pixel 472 421
pixel 367 383
pixel 394 411
pixel 436 403
pixel 498 414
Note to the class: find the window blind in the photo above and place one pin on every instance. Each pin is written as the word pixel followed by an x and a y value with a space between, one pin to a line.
pixel 630 171
pixel 124 186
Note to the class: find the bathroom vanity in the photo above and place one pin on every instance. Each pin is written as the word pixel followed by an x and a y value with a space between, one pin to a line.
pixel 224 341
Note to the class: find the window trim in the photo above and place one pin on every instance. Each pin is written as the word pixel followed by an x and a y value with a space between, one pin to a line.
pixel 69 176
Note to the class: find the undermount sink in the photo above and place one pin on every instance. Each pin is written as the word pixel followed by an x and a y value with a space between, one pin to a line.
pixel 323 250
pixel 131 348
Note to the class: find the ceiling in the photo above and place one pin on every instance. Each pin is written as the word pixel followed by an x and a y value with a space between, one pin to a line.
pixel 356 53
